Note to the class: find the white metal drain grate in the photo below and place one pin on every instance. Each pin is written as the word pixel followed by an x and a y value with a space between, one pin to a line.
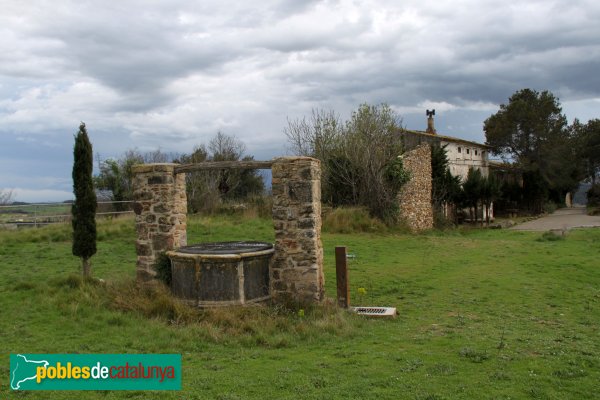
pixel 376 311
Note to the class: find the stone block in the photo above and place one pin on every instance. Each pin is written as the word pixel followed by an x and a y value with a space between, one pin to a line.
pixel 143 248
pixel 165 228
pixel 301 192
pixel 306 223
pixel 280 286
pixel 162 241
pixel 137 208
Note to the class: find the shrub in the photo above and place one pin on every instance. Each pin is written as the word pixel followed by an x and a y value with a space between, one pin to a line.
pixel 550 207
pixel 551 236
pixel 593 196
pixel 473 355
pixel 352 220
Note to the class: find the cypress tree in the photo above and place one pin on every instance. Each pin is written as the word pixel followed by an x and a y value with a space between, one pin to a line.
pixel 84 207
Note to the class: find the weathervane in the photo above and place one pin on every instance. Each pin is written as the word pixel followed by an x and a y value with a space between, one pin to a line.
pixel 430 127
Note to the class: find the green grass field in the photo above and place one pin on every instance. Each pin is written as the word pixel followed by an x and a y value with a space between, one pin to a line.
pixel 483 314
pixel 33 212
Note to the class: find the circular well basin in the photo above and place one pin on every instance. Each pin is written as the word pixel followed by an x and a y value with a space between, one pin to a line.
pixel 221 273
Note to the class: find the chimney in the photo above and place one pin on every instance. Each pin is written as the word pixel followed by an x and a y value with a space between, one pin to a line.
pixel 430 127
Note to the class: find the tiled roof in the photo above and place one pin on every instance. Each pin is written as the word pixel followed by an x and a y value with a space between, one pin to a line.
pixel 449 138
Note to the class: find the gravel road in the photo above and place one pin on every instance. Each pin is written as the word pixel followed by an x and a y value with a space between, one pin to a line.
pixel 564 218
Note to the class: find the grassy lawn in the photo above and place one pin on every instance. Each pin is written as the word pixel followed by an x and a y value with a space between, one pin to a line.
pixel 483 314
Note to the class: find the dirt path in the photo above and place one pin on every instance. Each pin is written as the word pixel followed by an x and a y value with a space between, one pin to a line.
pixel 565 218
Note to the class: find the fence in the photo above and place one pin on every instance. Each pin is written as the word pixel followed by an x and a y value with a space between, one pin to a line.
pixel 41 214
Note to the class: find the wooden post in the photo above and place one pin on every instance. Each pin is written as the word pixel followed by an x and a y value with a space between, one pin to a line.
pixel 341 274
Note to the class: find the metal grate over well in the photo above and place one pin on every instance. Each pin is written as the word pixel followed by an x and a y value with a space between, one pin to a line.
pixel 225 247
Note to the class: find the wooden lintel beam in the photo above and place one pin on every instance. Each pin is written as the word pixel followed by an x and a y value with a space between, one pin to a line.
pixel 216 165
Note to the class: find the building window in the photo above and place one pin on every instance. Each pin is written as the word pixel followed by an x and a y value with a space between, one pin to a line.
pixel 467 151
pixel 475 152
pixel 459 149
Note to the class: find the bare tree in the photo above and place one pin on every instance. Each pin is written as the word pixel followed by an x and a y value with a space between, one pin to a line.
pixel 156 156
pixel 226 148
pixel 315 136
pixel 206 189
pixel 5 196
pixel 318 136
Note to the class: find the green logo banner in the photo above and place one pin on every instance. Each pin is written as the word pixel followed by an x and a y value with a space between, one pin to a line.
pixel 95 371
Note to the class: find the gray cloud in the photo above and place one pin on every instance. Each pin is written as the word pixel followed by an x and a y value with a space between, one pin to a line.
pixel 170 74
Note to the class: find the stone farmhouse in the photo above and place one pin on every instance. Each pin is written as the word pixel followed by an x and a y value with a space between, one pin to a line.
pixel 462 154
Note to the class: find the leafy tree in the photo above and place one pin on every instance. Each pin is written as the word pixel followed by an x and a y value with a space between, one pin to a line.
pixel 372 144
pixel 532 131
pixel 472 189
pixel 116 175
pixel 84 206
pixel 511 196
pixel 535 191
pixel 360 158
pixel 593 195
pixel 251 182
pixel 339 181
pixel 446 188
pixel 588 144
pixel 490 192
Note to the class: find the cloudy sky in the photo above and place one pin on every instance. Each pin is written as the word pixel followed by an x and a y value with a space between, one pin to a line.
pixel 170 74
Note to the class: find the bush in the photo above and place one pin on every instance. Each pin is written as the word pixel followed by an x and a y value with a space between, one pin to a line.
pixel 352 220
pixel 440 221
pixel 550 207
pixel 551 236
pixel 593 196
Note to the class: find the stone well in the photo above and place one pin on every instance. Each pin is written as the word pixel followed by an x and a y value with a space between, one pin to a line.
pixel 296 268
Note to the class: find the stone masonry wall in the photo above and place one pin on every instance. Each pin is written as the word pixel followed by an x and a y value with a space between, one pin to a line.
pixel 297 265
pixel 415 196
pixel 160 214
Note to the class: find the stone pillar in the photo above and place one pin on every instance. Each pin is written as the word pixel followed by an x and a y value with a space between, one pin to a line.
pixel 297 265
pixel 415 196
pixel 160 213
